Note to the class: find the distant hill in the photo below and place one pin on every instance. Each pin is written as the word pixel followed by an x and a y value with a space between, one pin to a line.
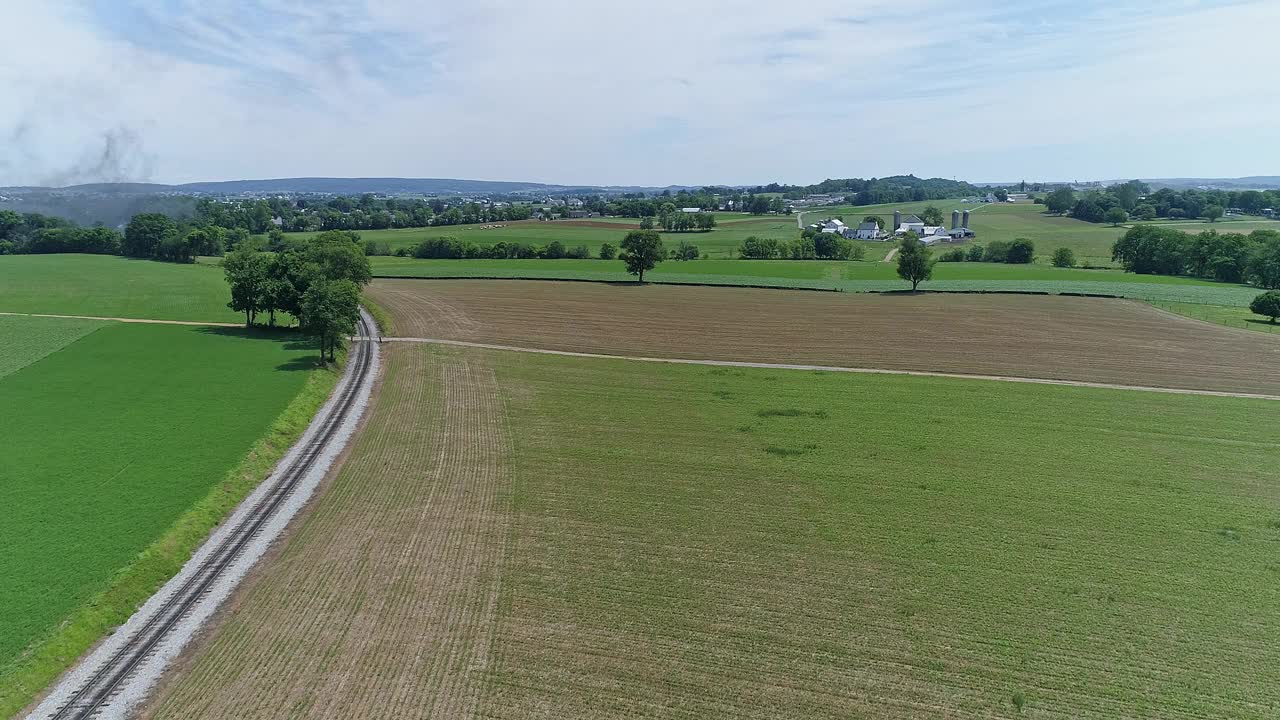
pixel 1252 182
pixel 335 186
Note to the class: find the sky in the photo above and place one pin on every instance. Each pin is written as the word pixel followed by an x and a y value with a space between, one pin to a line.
pixel 638 93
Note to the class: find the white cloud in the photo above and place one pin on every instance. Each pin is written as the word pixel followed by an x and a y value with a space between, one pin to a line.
pixel 653 93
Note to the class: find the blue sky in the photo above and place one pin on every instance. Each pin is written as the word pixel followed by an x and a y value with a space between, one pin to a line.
pixel 736 91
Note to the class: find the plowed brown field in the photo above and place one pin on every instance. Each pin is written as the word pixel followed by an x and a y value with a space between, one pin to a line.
pixel 1062 338
pixel 381 602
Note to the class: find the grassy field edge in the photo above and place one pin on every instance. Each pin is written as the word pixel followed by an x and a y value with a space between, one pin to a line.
pixel 380 316
pixel 23 679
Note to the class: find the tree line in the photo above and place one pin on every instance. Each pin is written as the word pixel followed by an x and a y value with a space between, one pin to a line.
pixel 1227 257
pixel 1019 251
pixel 1134 200
pixel 876 191
pixel 317 283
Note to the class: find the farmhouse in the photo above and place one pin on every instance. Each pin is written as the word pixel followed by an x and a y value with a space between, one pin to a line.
pixel 868 231
pixel 691 210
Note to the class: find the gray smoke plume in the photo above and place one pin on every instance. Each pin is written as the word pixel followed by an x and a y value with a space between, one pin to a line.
pixel 121 157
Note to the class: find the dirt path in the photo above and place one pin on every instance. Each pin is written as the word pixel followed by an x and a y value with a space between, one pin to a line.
pixel 127 320
pixel 833 368
pixel 381 603
pixel 892 254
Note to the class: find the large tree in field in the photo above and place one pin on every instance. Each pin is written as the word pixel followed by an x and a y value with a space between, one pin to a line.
pixel 1059 201
pixel 641 250
pixel 932 216
pixel 915 262
pixel 246 271
pixel 332 310
pixel 146 233
pixel 1212 212
pixel 1115 216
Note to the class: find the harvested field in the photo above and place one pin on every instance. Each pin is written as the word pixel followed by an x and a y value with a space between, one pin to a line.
pixel 1061 338
pixel 524 536
pixel 382 602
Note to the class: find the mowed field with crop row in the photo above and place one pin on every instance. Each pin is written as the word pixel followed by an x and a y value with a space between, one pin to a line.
pixel 524 536
pixel 121 446
pixel 109 286
pixel 1066 338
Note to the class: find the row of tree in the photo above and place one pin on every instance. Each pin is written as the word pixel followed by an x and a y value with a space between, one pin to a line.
pixel 1017 252
pixel 1228 257
pixel 876 191
pixel 1134 199
pixel 809 246
pixel 317 284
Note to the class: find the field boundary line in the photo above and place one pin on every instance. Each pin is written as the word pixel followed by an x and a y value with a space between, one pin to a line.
pixel 148 321
pixel 836 368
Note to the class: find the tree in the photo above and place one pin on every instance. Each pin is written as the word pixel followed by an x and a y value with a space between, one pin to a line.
pixel 1263 268
pixel 686 250
pixel 1268 304
pixel 1021 251
pixel 1212 212
pixel 1151 250
pixel 646 223
pixel 1060 201
pixel 555 250
pixel 145 234
pixel 1063 257
pixel 915 265
pixel 332 310
pixel 608 251
pixel 1001 194
pixel 1115 216
pixel 1145 211
pixel 339 256
pixel 975 253
pixel 246 272
pixel 932 216
pixel 758 248
pixel 642 250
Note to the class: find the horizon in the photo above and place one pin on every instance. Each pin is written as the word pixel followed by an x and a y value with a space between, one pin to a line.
pixel 177 91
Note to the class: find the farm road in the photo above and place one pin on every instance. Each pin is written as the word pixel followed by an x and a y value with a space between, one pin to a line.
pixel 127 320
pixel 833 368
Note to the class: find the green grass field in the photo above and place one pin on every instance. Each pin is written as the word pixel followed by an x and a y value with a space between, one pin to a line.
pixel 26 339
pixel 106 286
pixel 112 432
pixel 1231 316
pixel 846 276
pixel 799 544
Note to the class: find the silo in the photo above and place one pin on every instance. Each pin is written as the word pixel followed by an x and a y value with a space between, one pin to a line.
pixel 966 220
pixel 955 219
pixel 897 220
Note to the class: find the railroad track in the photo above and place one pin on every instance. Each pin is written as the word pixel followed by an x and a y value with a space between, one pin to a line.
pixel 95 694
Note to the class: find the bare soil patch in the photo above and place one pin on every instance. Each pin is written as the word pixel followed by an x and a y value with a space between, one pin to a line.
pixel 380 604
pixel 1061 338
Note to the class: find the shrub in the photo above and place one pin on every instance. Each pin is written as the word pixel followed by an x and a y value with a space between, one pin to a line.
pixel 579 253
pixel 554 250
pixel 997 251
pixel 953 255
pixel 377 247
pixel 758 248
pixel 686 251
pixel 608 252
pixel 1064 258
pixel 976 253
pixel 1267 304
pixel 1021 251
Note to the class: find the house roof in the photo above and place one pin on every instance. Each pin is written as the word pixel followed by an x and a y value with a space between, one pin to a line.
pixel 868 226
pixel 911 219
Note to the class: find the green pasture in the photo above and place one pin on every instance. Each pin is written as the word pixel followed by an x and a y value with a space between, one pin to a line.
pixel 112 433
pixel 108 286
pixel 759 543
